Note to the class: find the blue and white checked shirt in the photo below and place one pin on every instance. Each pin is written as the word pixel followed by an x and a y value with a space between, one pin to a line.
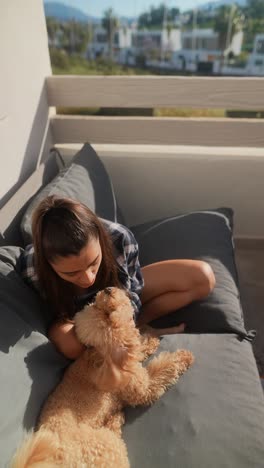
pixel 126 254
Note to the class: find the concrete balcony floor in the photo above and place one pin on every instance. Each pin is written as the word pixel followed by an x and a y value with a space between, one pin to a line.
pixel 250 263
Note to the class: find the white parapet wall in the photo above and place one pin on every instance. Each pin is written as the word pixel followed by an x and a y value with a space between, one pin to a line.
pixel 24 111
pixel 155 181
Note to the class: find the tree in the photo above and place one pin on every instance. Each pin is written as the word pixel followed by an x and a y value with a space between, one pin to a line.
pixel 255 9
pixel 202 18
pixel 59 59
pixel 254 13
pixel 110 23
pixel 81 34
pixel 253 27
pixel 52 29
pixel 154 18
pixel 227 22
pixel 71 36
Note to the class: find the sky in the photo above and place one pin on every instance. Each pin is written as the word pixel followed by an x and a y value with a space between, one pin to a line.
pixel 127 7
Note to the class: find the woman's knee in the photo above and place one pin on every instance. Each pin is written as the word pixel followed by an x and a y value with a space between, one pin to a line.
pixel 205 279
pixel 64 338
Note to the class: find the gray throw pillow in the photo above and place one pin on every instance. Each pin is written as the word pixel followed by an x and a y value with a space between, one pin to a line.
pixel 86 180
pixel 203 235
pixel 30 366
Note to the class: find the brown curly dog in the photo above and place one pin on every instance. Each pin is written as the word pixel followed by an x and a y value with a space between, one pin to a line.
pixel 80 424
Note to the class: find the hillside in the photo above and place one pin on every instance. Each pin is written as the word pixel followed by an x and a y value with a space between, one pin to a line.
pixel 67 13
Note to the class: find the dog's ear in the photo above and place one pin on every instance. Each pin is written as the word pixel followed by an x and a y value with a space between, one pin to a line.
pixel 109 376
pixel 119 355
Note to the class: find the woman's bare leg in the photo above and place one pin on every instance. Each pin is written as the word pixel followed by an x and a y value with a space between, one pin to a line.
pixel 172 284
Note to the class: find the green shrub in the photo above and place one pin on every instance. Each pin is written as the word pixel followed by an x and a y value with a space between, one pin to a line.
pixel 59 59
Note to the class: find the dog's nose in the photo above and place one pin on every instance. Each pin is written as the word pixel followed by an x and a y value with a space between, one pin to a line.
pixel 108 290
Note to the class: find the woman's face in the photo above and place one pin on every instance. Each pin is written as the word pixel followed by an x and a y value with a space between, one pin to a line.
pixel 81 269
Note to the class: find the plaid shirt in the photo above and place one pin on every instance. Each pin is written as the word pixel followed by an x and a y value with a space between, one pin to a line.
pixel 126 255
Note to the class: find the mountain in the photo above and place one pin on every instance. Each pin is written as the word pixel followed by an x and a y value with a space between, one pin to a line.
pixel 214 5
pixel 66 13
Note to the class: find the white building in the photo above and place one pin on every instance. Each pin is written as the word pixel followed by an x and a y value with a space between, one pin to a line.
pixel 255 65
pixel 201 50
pixel 99 46
pixel 157 46
pixel 194 50
pixel 161 39
pixel 128 43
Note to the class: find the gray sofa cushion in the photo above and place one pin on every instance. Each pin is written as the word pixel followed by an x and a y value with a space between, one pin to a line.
pixel 204 235
pixel 30 366
pixel 214 415
pixel 87 180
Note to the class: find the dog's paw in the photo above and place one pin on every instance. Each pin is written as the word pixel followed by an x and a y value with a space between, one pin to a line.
pixel 183 358
pixel 171 365
pixel 149 344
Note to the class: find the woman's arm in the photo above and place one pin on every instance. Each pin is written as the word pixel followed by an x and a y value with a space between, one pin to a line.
pixel 63 336
pixel 27 267
pixel 127 257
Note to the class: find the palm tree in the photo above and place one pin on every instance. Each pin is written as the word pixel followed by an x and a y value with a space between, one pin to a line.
pixel 227 22
pixel 82 36
pixel 110 23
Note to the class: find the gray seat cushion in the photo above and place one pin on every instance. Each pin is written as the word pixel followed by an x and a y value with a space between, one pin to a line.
pixel 214 415
pixel 86 180
pixel 204 235
pixel 30 366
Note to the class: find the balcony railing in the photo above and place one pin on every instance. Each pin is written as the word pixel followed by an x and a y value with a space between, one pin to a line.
pixel 157 92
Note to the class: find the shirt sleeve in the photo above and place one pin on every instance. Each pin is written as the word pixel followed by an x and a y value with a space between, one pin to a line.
pixel 127 257
pixel 28 271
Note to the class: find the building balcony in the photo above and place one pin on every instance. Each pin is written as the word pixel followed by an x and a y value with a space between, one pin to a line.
pixel 165 166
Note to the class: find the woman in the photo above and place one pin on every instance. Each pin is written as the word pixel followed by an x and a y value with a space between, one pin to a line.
pixel 75 254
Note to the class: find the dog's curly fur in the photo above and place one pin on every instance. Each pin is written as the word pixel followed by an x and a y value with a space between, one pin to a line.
pixel 80 424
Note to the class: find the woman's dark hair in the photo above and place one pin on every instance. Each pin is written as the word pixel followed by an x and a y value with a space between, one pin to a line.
pixel 62 227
